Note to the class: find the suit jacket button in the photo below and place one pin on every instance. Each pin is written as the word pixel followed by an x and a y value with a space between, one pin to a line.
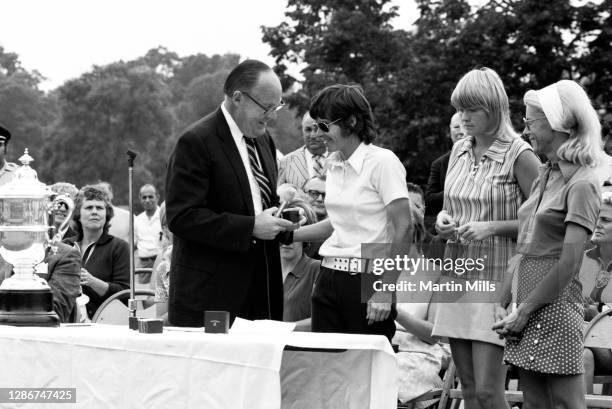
pixel 254 241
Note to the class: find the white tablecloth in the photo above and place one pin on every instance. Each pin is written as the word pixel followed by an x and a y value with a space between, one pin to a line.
pixel 113 367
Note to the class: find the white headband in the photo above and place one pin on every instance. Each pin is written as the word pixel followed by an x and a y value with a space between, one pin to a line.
pixel 551 105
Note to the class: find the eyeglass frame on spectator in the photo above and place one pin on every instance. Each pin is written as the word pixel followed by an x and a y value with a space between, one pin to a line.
pixel 311 193
pixel 528 122
pixel 269 110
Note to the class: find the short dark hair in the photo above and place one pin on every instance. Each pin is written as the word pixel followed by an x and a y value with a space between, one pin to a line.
pixel 413 187
pixel 244 76
pixel 91 192
pixel 341 102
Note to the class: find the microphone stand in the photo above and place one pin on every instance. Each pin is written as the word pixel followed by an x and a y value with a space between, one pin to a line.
pixel 133 320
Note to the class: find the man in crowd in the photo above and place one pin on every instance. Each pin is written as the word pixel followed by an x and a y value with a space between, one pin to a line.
pixel 147 228
pixel 7 167
pixel 434 193
pixel 315 188
pixel 221 207
pixel 305 162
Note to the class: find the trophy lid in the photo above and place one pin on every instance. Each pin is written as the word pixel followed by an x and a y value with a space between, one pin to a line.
pixel 25 183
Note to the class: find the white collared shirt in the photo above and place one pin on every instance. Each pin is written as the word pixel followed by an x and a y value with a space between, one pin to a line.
pixel 357 193
pixel 147 233
pixel 244 155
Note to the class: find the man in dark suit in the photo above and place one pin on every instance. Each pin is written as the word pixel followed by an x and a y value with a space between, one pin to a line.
pixel 220 205
pixel 304 163
pixel 434 193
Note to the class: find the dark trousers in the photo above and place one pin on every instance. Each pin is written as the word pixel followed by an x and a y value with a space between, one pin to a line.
pixel 339 304
pixel 264 293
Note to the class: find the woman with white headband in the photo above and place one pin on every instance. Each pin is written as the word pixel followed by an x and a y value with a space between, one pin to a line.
pixel 544 333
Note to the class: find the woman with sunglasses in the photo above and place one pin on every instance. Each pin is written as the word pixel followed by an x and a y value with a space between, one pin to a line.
pixel 489 175
pixel 544 333
pixel 365 195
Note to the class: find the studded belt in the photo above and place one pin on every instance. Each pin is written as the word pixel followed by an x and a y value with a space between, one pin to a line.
pixel 352 265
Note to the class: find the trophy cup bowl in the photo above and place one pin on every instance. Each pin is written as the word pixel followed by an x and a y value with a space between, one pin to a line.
pixel 25 237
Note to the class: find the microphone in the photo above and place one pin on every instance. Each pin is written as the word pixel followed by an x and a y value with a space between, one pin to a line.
pixel 131 156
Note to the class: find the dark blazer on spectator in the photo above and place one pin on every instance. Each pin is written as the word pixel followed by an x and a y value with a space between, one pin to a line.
pixel 108 260
pixel 216 262
pixel 434 193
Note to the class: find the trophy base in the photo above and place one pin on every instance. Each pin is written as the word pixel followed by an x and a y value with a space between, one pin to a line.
pixel 25 308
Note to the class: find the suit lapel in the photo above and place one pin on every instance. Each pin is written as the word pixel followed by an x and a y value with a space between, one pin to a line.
pixel 235 160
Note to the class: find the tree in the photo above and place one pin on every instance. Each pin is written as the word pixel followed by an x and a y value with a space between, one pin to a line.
pixel 24 108
pixel 102 114
pixel 409 76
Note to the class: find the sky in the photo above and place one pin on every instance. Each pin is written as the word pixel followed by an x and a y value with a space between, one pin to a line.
pixel 63 39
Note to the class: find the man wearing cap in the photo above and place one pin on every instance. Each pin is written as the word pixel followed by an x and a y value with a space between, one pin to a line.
pixel 6 173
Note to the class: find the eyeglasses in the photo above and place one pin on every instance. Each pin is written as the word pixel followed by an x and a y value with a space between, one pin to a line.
pixel 324 126
pixel 528 122
pixel 268 110
pixel 315 194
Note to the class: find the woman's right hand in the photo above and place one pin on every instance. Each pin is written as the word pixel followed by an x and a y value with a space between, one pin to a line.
pixel 445 225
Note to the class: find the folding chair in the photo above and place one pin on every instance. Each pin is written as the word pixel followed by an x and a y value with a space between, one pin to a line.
pixel 439 394
pixel 114 311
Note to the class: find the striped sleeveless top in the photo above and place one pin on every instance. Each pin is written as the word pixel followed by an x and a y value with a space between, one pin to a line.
pixel 484 191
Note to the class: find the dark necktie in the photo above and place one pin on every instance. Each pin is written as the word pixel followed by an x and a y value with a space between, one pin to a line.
pixel 260 177
pixel 317 165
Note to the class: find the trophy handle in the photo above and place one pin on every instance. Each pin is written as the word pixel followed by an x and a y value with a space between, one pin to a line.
pixel 59 199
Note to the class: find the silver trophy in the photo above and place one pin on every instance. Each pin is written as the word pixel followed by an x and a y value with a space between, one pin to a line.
pixel 26 206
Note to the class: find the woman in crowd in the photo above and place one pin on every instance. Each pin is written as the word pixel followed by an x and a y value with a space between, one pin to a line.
pixel 365 195
pixel 299 272
pixel 420 356
pixel 489 176
pixel 59 214
pixel 544 334
pixel 105 259
pixel 595 272
pixel 160 278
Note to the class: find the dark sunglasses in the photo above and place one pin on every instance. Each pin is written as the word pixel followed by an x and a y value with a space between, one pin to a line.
pixel 324 126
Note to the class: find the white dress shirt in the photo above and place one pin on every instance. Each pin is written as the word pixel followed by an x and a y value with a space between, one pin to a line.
pixel 244 155
pixel 147 233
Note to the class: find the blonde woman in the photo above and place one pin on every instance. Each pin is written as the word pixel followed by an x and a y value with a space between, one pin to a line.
pixel 489 175
pixel 544 334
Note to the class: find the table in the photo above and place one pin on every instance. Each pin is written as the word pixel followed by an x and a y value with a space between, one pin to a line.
pixel 114 367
